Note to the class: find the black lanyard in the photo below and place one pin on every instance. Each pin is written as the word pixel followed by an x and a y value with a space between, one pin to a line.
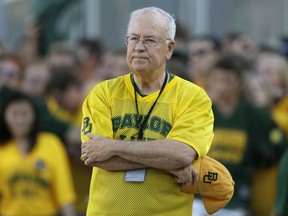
pixel 141 126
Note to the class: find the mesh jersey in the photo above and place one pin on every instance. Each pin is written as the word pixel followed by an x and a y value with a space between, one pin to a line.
pixel 183 112
pixel 36 184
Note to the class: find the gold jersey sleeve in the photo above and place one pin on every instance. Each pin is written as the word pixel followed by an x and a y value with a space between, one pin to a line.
pixel 36 184
pixel 182 112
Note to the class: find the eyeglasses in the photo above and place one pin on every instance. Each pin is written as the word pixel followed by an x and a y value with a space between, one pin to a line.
pixel 148 42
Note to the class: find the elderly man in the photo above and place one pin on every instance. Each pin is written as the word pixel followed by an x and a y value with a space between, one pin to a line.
pixel 142 131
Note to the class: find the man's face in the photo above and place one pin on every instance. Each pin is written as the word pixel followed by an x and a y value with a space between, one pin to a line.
pixel 143 58
pixel 202 56
pixel 70 98
pixel 223 85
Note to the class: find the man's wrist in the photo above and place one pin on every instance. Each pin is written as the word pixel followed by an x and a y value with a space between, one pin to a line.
pixel 114 147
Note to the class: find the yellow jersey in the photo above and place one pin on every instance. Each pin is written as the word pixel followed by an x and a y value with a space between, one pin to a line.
pixel 182 112
pixel 38 183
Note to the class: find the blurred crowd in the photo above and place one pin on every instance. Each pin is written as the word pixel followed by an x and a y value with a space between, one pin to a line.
pixel 235 71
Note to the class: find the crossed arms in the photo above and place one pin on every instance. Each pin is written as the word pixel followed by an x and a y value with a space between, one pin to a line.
pixel 116 155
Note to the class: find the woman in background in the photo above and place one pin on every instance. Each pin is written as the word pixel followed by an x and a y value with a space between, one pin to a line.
pixel 35 176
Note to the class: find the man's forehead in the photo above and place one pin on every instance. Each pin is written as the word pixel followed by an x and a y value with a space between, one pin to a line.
pixel 147 27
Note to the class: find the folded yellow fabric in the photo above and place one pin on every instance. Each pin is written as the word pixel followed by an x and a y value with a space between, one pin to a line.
pixel 215 184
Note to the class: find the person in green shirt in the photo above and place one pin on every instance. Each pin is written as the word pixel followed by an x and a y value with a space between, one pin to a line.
pixel 245 138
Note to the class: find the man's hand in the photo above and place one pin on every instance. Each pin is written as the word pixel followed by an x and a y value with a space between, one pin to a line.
pixel 97 149
pixel 185 175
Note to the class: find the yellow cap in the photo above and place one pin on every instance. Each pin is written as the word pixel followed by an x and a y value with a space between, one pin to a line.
pixel 215 184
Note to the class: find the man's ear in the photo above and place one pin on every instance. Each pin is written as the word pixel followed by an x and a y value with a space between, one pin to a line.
pixel 170 50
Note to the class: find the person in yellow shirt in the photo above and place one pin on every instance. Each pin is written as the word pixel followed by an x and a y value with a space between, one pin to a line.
pixel 35 177
pixel 65 98
pixel 65 95
pixel 142 131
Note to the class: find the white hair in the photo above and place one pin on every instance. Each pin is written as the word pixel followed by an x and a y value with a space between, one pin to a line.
pixel 171 25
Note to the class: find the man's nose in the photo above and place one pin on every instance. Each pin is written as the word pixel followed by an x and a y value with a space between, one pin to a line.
pixel 140 45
